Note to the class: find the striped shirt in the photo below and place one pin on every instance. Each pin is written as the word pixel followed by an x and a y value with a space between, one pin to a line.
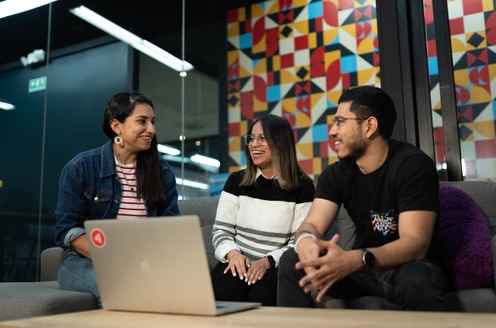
pixel 131 206
pixel 259 220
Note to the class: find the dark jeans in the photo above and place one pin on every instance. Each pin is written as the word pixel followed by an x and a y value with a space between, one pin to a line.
pixel 415 286
pixel 229 288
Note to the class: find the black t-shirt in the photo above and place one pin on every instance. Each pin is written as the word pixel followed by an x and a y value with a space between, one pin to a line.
pixel 407 181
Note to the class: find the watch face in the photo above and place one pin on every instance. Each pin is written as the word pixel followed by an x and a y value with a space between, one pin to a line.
pixel 368 259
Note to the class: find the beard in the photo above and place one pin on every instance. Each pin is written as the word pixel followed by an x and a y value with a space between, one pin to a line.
pixel 356 147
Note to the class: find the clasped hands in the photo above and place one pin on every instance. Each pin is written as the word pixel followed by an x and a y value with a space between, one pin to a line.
pixel 241 266
pixel 324 263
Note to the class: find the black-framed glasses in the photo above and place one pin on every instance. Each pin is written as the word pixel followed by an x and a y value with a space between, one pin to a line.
pixel 337 120
pixel 251 138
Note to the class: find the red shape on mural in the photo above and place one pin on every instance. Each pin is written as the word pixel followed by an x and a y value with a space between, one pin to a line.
pixel 330 139
pixel 317 69
pixel 290 117
pixel 346 4
pixel 346 81
pixel 428 12
pixel 286 17
pixel 233 86
pixel 285 4
pixel 472 7
pixel 306 165
pixel 439 145
pixel 467 114
pixel 324 151
pixel 333 74
pixel 456 26
pixel 462 95
pixel 485 148
pixel 234 129
pixel 247 24
pixel 318 23
pixel 479 76
pixel 233 71
pixel 287 60
pixel 303 104
pixel 303 87
pixel 301 42
pixel 491 29
pixel 331 14
pixel 363 30
pixel 271 49
pixel 258 31
pixel 431 48
pixel 317 55
pixel 272 34
pixel 259 88
pixel 232 16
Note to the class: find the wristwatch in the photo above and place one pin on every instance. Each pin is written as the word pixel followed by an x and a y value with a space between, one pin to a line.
pixel 271 260
pixel 368 259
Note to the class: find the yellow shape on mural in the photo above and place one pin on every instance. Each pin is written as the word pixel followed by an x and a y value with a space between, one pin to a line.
pixel 259 106
pixel 487 5
pixel 312 40
pixel 317 165
pixel 276 62
pixel 479 95
pixel 315 98
pixel 350 29
pixel 300 3
pixel 301 27
pixel 305 149
pixel 461 77
pixel 260 46
pixel 257 10
pixel 234 145
pixel 331 57
pixel 366 76
pixel 469 126
pixel 457 45
pixel 485 129
pixel 232 57
pixel 482 45
pixel 304 78
pixel 332 159
pixel 242 14
pixel 286 76
pixel 359 4
pixel 243 72
pixel 243 128
pixel 366 46
pixel 233 30
pixel 289 104
pixel 303 120
pixel 260 66
pixel 274 9
pixel 333 96
pixel 330 35
pixel 492 71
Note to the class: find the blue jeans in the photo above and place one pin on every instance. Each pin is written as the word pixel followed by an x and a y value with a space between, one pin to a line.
pixel 77 274
pixel 414 286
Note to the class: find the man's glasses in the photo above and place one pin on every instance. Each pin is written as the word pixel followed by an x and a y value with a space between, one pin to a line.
pixel 251 138
pixel 337 120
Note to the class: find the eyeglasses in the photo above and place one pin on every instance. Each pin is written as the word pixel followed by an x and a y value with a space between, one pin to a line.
pixel 250 138
pixel 337 120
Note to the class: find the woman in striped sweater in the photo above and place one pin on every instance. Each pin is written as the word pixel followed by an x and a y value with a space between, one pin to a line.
pixel 259 210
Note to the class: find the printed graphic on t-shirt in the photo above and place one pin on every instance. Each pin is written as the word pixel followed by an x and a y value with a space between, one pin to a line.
pixel 385 223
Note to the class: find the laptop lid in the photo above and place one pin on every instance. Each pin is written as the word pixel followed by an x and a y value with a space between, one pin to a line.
pixel 154 265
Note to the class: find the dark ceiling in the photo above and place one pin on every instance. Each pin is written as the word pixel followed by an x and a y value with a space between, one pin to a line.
pixel 157 21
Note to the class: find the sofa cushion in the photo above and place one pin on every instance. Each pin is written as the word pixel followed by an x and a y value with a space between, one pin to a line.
pixel 465 241
pixel 32 299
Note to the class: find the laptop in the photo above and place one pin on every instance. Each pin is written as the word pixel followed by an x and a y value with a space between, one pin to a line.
pixel 155 265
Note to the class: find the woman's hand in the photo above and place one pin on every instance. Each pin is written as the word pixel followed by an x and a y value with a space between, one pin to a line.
pixel 256 271
pixel 238 264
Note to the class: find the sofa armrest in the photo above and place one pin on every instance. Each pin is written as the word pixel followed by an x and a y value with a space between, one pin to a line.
pixel 51 259
pixel 493 248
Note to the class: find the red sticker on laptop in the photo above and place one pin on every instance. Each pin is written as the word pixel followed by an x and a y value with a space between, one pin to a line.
pixel 98 238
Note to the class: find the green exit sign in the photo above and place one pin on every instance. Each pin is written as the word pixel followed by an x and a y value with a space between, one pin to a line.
pixel 37 84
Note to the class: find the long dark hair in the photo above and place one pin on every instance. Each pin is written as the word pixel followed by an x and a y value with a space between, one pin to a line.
pixel 149 179
pixel 280 139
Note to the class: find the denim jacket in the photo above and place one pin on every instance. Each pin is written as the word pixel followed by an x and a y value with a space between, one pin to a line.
pixel 89 189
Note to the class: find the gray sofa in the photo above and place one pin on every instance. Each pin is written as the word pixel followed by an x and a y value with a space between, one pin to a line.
pixel 21 300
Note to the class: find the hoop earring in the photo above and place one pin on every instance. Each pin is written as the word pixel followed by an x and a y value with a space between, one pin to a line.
pixel 118 140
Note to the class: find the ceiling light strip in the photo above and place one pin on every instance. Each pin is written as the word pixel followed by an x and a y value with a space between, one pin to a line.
pixel 12 7
pixel 133 40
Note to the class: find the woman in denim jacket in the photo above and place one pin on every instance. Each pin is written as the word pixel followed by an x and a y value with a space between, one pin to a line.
pixel 123 178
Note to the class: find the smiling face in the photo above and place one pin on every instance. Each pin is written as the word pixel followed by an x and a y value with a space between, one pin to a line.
pixel 348 139
pixel 138 130
pixel 260 154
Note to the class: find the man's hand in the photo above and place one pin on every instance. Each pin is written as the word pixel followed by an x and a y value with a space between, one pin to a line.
pixel 308 250
pixel 238 264
pixel 256 271
pixel 335 265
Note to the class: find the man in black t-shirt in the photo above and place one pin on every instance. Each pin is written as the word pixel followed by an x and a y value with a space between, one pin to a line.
pixel 391 192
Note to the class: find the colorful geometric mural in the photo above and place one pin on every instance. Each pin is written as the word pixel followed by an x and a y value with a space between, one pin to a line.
pixel 473 43
pixel 293 58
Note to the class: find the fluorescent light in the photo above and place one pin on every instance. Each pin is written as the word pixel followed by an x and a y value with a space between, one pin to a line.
pixel 168 150
pixel 209 161
pixel 191 183
pixel 12 7
pixel 133 40
pixel 4 104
